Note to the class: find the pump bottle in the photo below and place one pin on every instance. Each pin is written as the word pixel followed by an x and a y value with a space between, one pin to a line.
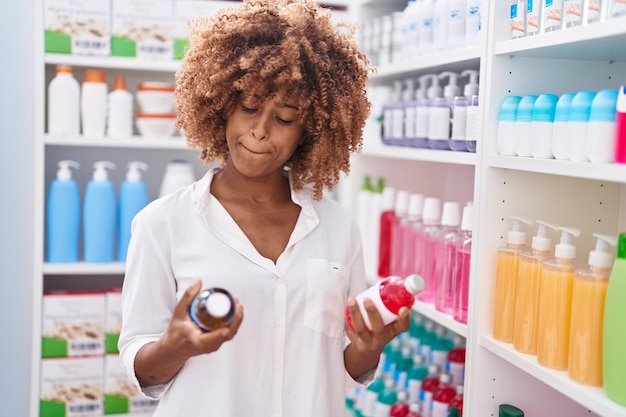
pixel 63 215
pixel 528 296
pixel 64 103
pixel 422 109
pixel 588 312
pixel 133 197
pixel 461 114
pixel 409 108
pixel 555 303
pixel 507 270
pixel 120 110
pixel 440 115
pixel 99 219
pixel 212 308
pixel 389 296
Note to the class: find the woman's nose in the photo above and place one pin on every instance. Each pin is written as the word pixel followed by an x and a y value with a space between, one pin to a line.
pixel 259 128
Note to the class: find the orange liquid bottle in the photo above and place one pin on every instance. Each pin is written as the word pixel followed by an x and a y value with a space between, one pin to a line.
pixel 588 300
pixel 527 298
pixel 555 303
pixel 507 268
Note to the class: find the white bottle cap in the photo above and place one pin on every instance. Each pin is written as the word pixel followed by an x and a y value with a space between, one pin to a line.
pixel 100 170
pixel 452 88
pixel 414 284
pixel 565 249
pixel 468 218
pixel 389 196
pixel 451 214
pixel 445 378
pixel 434 90
pixel 516 236
pixel 218 304
pixel 471 88
pixel 402 203
pixel 134 170
pixel 432 212
pixel 416 204
pixel 64 173
pixel 541 241
pixel 601 256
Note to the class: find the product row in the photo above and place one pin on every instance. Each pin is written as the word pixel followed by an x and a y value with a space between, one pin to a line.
pixel 430 116
pixel 582 126
pixel 89 107
pixel 421 28
pixel 531 17
pixel 569 315
pixel 421 371
pixel 103 217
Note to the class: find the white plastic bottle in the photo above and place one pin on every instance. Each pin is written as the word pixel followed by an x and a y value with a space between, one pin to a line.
pixel 99 215
pixel 456 26
pixel 93 103
pixel 133 197
pixel 441 24
pixel 440 114
pixel 579 111
pixel 422 109
pixel 506 140
pixel 541 126
pixel 426 28
pixel 560 129
pixel 63 215
pixel 120 110
pixel 473 23
pixel 601 129
pixel 64 103
pixel 178 173
pixel 410 30
pixel 523 119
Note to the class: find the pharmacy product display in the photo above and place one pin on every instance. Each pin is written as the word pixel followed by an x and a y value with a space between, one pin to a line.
pixel 63 213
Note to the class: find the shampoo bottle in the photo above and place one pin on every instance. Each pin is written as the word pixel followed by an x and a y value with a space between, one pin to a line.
pixel 528 296
pixel 422 108
pixel 555 304
pixel 588 311
pixel 132 198
pixel 507 270
pixel 614 337
pixel 64 103
pixel 389 296
pixel 99 219
pixel 120 110
pixel 63 215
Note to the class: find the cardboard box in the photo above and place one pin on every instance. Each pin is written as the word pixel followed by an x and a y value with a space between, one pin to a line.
pixel 120 395
pixel 112 319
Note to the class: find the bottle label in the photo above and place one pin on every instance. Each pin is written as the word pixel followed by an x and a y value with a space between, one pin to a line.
pixel 373 293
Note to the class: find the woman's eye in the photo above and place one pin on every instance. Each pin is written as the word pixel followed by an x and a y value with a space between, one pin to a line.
pixel 283 121
pixel 248 109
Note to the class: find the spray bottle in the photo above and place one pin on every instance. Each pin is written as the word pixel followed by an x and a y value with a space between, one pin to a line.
pixel 133 197
pixel 99 218
pixel 588 312
pixel 555 304
pixel 528 296
pixel 507 269
pixel 63 215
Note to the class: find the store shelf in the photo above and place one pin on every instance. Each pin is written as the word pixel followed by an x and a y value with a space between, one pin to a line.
pixel 174 142
pixel 585 170
pixel 446 320
pixel 416 154
pixel 111 62
pixel 590 397
pixel 84 268
pixel 595 41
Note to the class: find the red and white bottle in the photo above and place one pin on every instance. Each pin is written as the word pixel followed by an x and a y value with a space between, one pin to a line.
pixel 442 396
pixel 389 296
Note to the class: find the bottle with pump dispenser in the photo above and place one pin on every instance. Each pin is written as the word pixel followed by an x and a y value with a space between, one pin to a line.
pixel 423 98
pixel 64 103
pixel 588 311
pixel 120 110
pixel 528 283
pixel 425 245
pixel 389 296
pixel 99 215
pixel 212 308
pixel 614 344
pixel 63 215
pixel 555 303
pixel 133 197
pixel 461 115
pixel 461 271
pixel 409 103
pixel 93 103
pixel 393 116
pixel 507 272
pixel 440 116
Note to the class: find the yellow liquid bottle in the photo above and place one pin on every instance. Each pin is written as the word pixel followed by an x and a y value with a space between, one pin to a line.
pixel 555 303
pixel 507 268
pixel 527 297
pixel 588 300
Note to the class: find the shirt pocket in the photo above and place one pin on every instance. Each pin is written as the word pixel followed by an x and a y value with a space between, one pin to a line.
pixel 325 297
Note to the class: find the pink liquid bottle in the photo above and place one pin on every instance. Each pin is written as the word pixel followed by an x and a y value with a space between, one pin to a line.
pixel 386 220
pixel 461 272
pixel 455 365
pixel 415 410
pixel 620 127
pixel 389 296
pixel 446 242
pixel 442 396
pixel 398 227
pixel 425 247
pixel 410 226
pixel 457 401
pixel 429 386
pixel 401 408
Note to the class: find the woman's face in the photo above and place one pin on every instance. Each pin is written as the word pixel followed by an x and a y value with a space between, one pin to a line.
pixel 262 135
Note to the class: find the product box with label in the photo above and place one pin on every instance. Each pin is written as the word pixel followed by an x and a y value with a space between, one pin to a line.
pixel 72 387
pixel 142 29
pixel 190 9
pixel 72 324
pixel 120 395
pixel 112 319
pixel 78 27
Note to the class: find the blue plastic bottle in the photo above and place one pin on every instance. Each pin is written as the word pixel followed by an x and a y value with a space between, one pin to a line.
pixel 133 197
pixel 99 215
pixel 63 215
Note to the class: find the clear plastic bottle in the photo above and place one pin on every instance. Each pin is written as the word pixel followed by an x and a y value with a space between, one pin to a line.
pixel 386 219
pixel 64 103
pixel 100 215
pixel 401 209
pixel 461 272
pixel 63 215
pixel 120 110
pixel 425 247
pixel 555 304
pixel 212 308
pixel 133 197
pixel 389 296
pixel 93 103
pixel 411 225
pixel 445 250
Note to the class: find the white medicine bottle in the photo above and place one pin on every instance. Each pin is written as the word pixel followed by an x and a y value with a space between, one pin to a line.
pixel 93 103
pixel 64 103
pixel 120 110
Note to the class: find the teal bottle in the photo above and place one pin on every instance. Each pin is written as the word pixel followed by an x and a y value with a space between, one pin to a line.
pixel 99 215
pixel 133 197
pixel 63 215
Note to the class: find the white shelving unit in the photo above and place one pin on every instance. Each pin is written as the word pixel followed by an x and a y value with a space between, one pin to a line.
pixel 589 196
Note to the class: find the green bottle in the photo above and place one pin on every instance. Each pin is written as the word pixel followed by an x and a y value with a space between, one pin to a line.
pixel 614 343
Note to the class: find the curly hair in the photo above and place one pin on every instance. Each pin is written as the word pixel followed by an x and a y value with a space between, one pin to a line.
pixel 263 46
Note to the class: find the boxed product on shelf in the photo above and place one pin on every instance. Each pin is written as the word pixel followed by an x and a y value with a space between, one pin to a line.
pixel 112 319
pixel 120 395
pixel 71 387
pixel 142 29
pixel 72 324
pixel 78 27
pixel 186 10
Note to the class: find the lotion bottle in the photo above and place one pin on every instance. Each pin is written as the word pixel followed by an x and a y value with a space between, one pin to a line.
pixel 507 270
pixel 588 311
pixel 133 197
pixel 120 110
pixel 63 215
pixel 93 103
pixel 99 218
pixel 422 108
pixel 555 304
pixel 64 103
pixel 440 117
pixel 528 296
